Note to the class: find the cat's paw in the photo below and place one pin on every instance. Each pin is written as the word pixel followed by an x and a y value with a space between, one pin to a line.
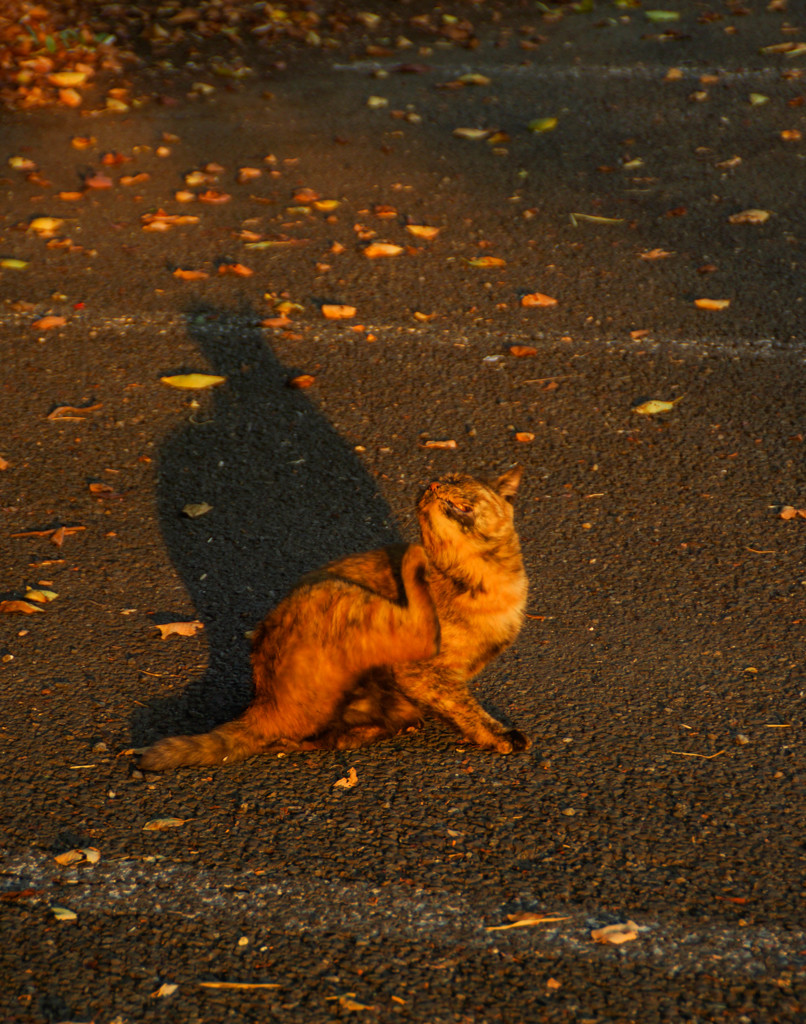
pixel 514 742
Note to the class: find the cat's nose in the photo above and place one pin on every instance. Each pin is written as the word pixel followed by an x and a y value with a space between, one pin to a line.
pixel 434 486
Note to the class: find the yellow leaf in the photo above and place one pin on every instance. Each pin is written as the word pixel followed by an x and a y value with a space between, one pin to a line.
pixel 616 933
pixel 158 824
pixel 66 79
pixel 193 381
pixel 349 782
pixel 472 134
pixel 750 217
pixel 655 405
pixel 712 303
pixel 196 509
pixel 542 124
pixel 45 226
pixel 525 920
pixel 40 596
pixel 593 219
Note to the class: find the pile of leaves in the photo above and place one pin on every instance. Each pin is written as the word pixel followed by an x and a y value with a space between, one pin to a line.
pixel 51 50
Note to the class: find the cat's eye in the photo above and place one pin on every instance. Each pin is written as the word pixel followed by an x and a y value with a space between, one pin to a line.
pixel 460 506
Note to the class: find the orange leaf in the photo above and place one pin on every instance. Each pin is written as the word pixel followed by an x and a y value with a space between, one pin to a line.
pixel 304 195
pixel 212 196
pixel 525 436
pixel 333 312
pixel 248 174
pixel 275 321
pixel 99 180
pixel 537 299
pixel 422 231
pixel 654 254
pixel 487 261
pixel 46 322
pixel 439 444
pixel 376 249
pixel 70 97
pixel 135 179
pixel 790 135
pixel 712 303
pixel 9 607
pixel 522 350
pixel 179 628
pixel 190 275
pixel 304 380
pixel 69 197
pixel 235 268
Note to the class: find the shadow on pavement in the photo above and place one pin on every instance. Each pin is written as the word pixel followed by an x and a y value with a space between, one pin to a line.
pixel 288 495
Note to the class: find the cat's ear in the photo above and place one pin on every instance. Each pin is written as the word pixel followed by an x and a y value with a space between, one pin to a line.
pixel 507 484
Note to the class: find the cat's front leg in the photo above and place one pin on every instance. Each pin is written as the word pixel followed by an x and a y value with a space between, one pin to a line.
pixel 449 697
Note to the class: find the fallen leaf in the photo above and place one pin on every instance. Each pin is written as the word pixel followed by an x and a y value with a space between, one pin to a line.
pixel 196 509
pixel 439 444
pixel 712 303
pixel 190 275
pixel 472 78
pixel 326 205
pixel 654 254
pixel 248 174
pixel 471 134
pixel 40 596
pixel 346 1002
pixel 64 914
pixel 275 321
pixel 486 261
pixel 522 350
pixel 159 824
pixel 45 227
pixel 12 264
pixel 789 512
pixel 615 934
pixel 179 628
pixel 377 102
pixel 542 124
pixel 45 323
pixel 193 381
pixel 524 435
pixel 304 380
pixel 72 412
pixel 166 989
pixel 791 135
pixel 70 97
pixel 349 782
pixel 537 299
pixel 100 488
pixel 750 217
pixel 593 219
pixel 24 607
pixel 336 312
pixel 422 231
pixel 90 855
pixel 67 79
pixel 4 463
pixel 662 15
pixel 99 181
pixel 655 405
pixel 21 163
pixel 376 249
pixel 238 269
pixel 213 196
pixel 135 179
pixel 525 920
pixel 83 141
pixel 237 985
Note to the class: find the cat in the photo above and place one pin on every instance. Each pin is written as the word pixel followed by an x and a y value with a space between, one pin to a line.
pixel 362 647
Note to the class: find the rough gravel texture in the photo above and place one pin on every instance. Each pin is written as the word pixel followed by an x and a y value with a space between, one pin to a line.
pixel 661 671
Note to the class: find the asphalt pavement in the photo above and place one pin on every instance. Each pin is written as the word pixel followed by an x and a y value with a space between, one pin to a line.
pixel 619 204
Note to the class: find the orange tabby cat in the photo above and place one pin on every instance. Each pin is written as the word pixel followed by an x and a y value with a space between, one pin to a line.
pixel 361 648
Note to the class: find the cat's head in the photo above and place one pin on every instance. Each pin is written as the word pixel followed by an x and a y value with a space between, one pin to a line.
pixel 464 512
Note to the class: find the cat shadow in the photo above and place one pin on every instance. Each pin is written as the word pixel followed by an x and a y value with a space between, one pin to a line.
pixel 288 494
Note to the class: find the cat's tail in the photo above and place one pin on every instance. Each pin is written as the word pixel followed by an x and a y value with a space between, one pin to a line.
pixel 232 741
